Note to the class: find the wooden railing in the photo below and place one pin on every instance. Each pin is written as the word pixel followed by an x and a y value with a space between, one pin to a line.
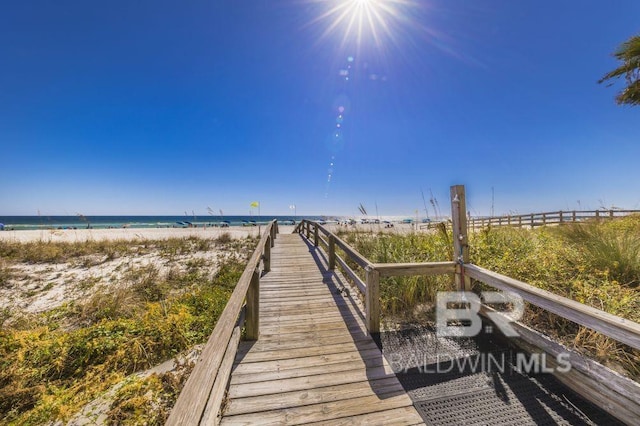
pixel 202 396
pixel 618 395
pixel 547 218
pixel 370 287
pixel 620 329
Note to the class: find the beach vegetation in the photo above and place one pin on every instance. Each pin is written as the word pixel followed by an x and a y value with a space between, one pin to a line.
pixel 5 274
pixel 596 263
pixel 224 238
pixel 402 295
pixel 53 363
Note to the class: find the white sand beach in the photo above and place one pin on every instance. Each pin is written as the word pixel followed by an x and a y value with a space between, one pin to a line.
pixel 73 235
pixel 236 232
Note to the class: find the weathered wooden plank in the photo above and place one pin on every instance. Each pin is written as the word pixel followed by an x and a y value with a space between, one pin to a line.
pixel 274 283
pixel 311 336
pixel 620 329
pixel 313 396
pixel 309 351
pixel 309 382
pixel 301 298
pixel 299 287
pixel 314 370
pixel 317 310
pixel 276 306
pixel 325 411
pixel 406 416
pixel 212 410
pixel 271 345
pixel 297 293
pixel 284 329
pixel 304 328
pixel 300 318
pixel 306 361
pixel 292 314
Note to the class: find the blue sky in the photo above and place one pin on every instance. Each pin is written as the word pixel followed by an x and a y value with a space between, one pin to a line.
pixel 161 107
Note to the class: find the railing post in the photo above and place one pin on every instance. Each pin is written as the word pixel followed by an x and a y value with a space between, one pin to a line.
pixel 611 214
pixel 561 217
pixel 308 230
pixel 253 307
pixel 332 252
pixel 532 225
pixel 460 241
pixel 597 214
pixel 266 255
pixel 315 235
pixel 573 218
pixel 274 232
pixel 372 300
pixel 544 219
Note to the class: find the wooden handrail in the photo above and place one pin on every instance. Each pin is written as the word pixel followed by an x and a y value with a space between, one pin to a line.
pixel 198 402
pixel 620 329
pixel 350 251
pixel 408 269
pixel 373 272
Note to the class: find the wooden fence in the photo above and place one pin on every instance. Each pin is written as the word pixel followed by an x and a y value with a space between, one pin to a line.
pixel 617 394
pixel 533 220
pixel 203 393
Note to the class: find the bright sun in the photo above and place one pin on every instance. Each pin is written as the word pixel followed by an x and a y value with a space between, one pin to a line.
pixel 360 20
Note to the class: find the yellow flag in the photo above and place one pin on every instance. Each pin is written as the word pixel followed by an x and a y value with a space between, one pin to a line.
pixel 255 204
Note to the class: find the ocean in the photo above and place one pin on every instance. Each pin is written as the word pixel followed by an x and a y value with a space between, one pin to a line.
pixel 105 222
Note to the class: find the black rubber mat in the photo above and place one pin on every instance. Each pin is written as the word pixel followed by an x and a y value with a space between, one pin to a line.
pixel 474 381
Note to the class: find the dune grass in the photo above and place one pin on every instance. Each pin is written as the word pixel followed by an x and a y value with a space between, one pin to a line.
pixel 44 251
pixel 55 362
pixel 402 295
pixel 595 263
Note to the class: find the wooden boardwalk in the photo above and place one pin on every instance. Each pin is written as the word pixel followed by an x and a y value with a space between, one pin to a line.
pixel 307 358
pixel 313 361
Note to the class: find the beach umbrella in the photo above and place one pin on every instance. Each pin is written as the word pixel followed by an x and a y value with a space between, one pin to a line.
pixel 1 226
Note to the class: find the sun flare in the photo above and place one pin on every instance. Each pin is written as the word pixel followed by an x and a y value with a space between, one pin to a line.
pixel 360 21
